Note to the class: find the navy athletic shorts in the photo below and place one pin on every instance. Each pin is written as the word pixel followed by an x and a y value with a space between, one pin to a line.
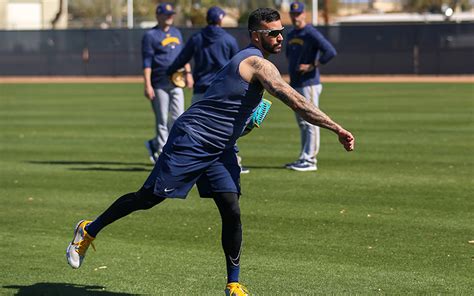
pixel 185 162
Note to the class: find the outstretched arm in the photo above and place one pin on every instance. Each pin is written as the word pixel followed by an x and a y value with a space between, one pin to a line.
pixel 147 56
pixel 263 70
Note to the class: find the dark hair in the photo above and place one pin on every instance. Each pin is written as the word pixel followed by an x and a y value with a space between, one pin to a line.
pixel 260 15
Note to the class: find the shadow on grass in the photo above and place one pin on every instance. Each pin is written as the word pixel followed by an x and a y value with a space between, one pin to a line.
pixel 104 166
pixel 146 166
pixel 62 162
pixel 273 167
pixel 60 289
pixel 136 169
pixel 105 169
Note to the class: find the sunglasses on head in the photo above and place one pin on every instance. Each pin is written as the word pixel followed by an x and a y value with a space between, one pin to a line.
pixel 271 33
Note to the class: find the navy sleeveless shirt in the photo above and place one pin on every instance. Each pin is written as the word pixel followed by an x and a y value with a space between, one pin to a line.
pixel 218 119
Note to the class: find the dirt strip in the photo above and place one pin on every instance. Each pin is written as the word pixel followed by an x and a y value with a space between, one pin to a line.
pixel 324 78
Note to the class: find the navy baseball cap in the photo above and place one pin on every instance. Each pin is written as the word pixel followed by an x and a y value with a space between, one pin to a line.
pixel 297 7
pixel 165 8
pixel 215 14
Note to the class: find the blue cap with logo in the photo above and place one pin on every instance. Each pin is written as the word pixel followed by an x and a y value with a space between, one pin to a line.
pixel 297 7
pixel 214 15
pixel 165 8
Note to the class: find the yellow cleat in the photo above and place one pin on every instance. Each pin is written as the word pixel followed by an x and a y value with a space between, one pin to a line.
pixel 76 251
pixel 236 289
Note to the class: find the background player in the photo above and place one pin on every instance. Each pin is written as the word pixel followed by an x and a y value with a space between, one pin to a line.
pixel 211 49
pixel 160 46
pixel 200 148
pixel 306 49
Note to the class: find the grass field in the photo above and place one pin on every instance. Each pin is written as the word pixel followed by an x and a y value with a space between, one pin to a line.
pixel 393 217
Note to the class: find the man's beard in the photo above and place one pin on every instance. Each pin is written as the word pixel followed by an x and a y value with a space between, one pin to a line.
pixel 271 49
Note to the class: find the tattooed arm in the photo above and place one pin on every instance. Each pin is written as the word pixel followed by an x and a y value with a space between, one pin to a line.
pixel 256 68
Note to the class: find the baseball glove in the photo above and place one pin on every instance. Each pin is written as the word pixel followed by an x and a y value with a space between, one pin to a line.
pixel 177 78
pixel 258 116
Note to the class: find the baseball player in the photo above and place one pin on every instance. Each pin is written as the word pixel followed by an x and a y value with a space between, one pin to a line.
pixel 160 46
pixel 211 49
pixel 200 148
pixel 306 49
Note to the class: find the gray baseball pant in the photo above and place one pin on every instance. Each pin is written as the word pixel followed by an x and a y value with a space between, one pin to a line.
pixel 309 133
pixel 167 105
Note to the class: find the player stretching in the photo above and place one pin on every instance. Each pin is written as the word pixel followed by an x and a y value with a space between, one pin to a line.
pixel 200 148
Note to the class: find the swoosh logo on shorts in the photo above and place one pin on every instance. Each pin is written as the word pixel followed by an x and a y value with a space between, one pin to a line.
pixel 169 190
pixel 236 261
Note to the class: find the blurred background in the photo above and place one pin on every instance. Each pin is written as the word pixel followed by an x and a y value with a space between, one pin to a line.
pixel 87 37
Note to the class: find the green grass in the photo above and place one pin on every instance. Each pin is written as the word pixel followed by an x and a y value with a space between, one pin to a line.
pixel 393 217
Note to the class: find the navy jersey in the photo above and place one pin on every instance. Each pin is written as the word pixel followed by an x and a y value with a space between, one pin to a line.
pixel 305 46
pixel 159 49
pixel 211 49
pixel 218 119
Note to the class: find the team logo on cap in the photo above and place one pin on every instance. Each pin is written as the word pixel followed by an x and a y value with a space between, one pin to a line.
pixel 168 7
pixel 295 6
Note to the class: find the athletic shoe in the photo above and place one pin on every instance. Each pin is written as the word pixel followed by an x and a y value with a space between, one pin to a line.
pixel 76 251
pixel 235 289
pixel 304 166
pixel 244 170
pixel 289 165
pixel 151 151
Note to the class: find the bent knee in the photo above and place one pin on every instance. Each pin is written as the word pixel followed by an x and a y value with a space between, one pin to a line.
pixel 147 199
pixel 232 217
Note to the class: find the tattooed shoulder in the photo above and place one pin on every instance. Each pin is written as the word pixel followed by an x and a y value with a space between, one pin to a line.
pixel 256 63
